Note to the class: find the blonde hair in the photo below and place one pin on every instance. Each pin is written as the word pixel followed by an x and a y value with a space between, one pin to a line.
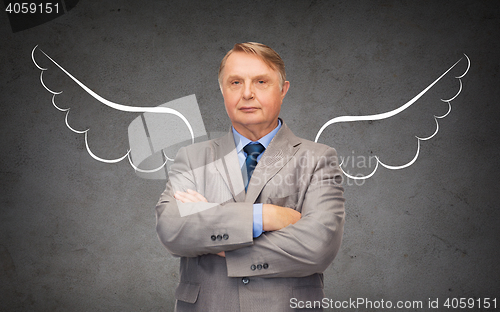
pixel 268 56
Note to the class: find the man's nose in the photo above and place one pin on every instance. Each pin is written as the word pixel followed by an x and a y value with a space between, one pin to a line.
pixel 248 91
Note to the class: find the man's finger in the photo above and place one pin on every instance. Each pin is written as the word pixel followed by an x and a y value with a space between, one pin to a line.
pixel 179 196
pixel 185 197
pixel 197 195
pixel 189 196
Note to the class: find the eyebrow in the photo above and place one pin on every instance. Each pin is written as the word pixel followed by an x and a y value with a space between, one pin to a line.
pixel 265 76
pixel 233 77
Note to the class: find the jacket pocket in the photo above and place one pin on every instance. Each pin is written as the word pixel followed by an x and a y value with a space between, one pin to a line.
pixel 187 292
pixel 290 201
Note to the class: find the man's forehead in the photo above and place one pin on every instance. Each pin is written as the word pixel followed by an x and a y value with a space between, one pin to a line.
pixel 241 63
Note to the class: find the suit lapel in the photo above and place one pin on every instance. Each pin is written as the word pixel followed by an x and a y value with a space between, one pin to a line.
pixel 226 162
pixel 279 152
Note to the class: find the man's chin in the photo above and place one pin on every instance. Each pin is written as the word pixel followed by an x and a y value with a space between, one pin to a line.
pixel 252 123
pixel 255 124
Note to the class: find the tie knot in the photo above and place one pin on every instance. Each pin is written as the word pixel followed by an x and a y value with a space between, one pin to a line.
pixel 254 150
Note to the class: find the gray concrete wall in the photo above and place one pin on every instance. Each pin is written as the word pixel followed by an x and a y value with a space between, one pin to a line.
pixel 79 235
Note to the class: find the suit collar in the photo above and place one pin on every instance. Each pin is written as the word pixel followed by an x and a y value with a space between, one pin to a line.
pixel 241 141
pixel 282 147
pixel 226 162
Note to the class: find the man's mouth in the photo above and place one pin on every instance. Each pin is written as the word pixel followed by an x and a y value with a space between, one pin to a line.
pixel 248 109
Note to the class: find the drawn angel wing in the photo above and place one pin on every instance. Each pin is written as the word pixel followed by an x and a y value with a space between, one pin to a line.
pixel 148 134
pixel 392 113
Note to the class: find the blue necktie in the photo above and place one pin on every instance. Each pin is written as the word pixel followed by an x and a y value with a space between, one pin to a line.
pixel 253 151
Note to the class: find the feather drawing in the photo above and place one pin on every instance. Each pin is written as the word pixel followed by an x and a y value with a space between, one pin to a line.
pixel 157 143
pixel 133 109
pixel 394 112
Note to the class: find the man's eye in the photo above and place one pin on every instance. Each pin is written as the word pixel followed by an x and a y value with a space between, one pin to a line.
pixel 235 82
pixel 262 82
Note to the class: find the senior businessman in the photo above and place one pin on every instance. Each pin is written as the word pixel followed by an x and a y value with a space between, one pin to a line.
pixel 257 215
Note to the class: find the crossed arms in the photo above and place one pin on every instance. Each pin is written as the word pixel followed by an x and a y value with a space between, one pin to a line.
pixel 273 217
pixel 297 242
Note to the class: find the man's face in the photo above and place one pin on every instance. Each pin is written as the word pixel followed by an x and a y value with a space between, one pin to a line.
pixel 252 94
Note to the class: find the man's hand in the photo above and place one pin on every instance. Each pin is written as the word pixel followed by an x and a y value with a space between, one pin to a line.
pixel 189 196
pixel 276 217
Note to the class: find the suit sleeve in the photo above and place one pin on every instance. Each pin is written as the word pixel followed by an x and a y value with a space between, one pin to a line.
pixel 308 246
pixel 190 230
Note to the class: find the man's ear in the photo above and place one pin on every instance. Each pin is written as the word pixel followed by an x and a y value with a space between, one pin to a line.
pixel 285 88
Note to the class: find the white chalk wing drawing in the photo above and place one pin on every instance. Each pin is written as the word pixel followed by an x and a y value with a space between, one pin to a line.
pixel 343 119
pixel 147 137
pixel 147 132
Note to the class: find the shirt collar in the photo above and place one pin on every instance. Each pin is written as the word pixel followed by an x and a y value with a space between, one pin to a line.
pixel 240 141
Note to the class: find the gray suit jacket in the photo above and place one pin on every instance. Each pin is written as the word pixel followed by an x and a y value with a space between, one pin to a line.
pixel 257 274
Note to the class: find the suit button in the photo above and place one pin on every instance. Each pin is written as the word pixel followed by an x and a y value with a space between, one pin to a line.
pixel 253 267
pixel 265 266
pixel 219 237
pixel 245 280
pixel 213 237
pixel 225 236
pixel 259 266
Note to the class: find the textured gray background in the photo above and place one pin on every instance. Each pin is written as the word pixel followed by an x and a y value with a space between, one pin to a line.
pixel 79 235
